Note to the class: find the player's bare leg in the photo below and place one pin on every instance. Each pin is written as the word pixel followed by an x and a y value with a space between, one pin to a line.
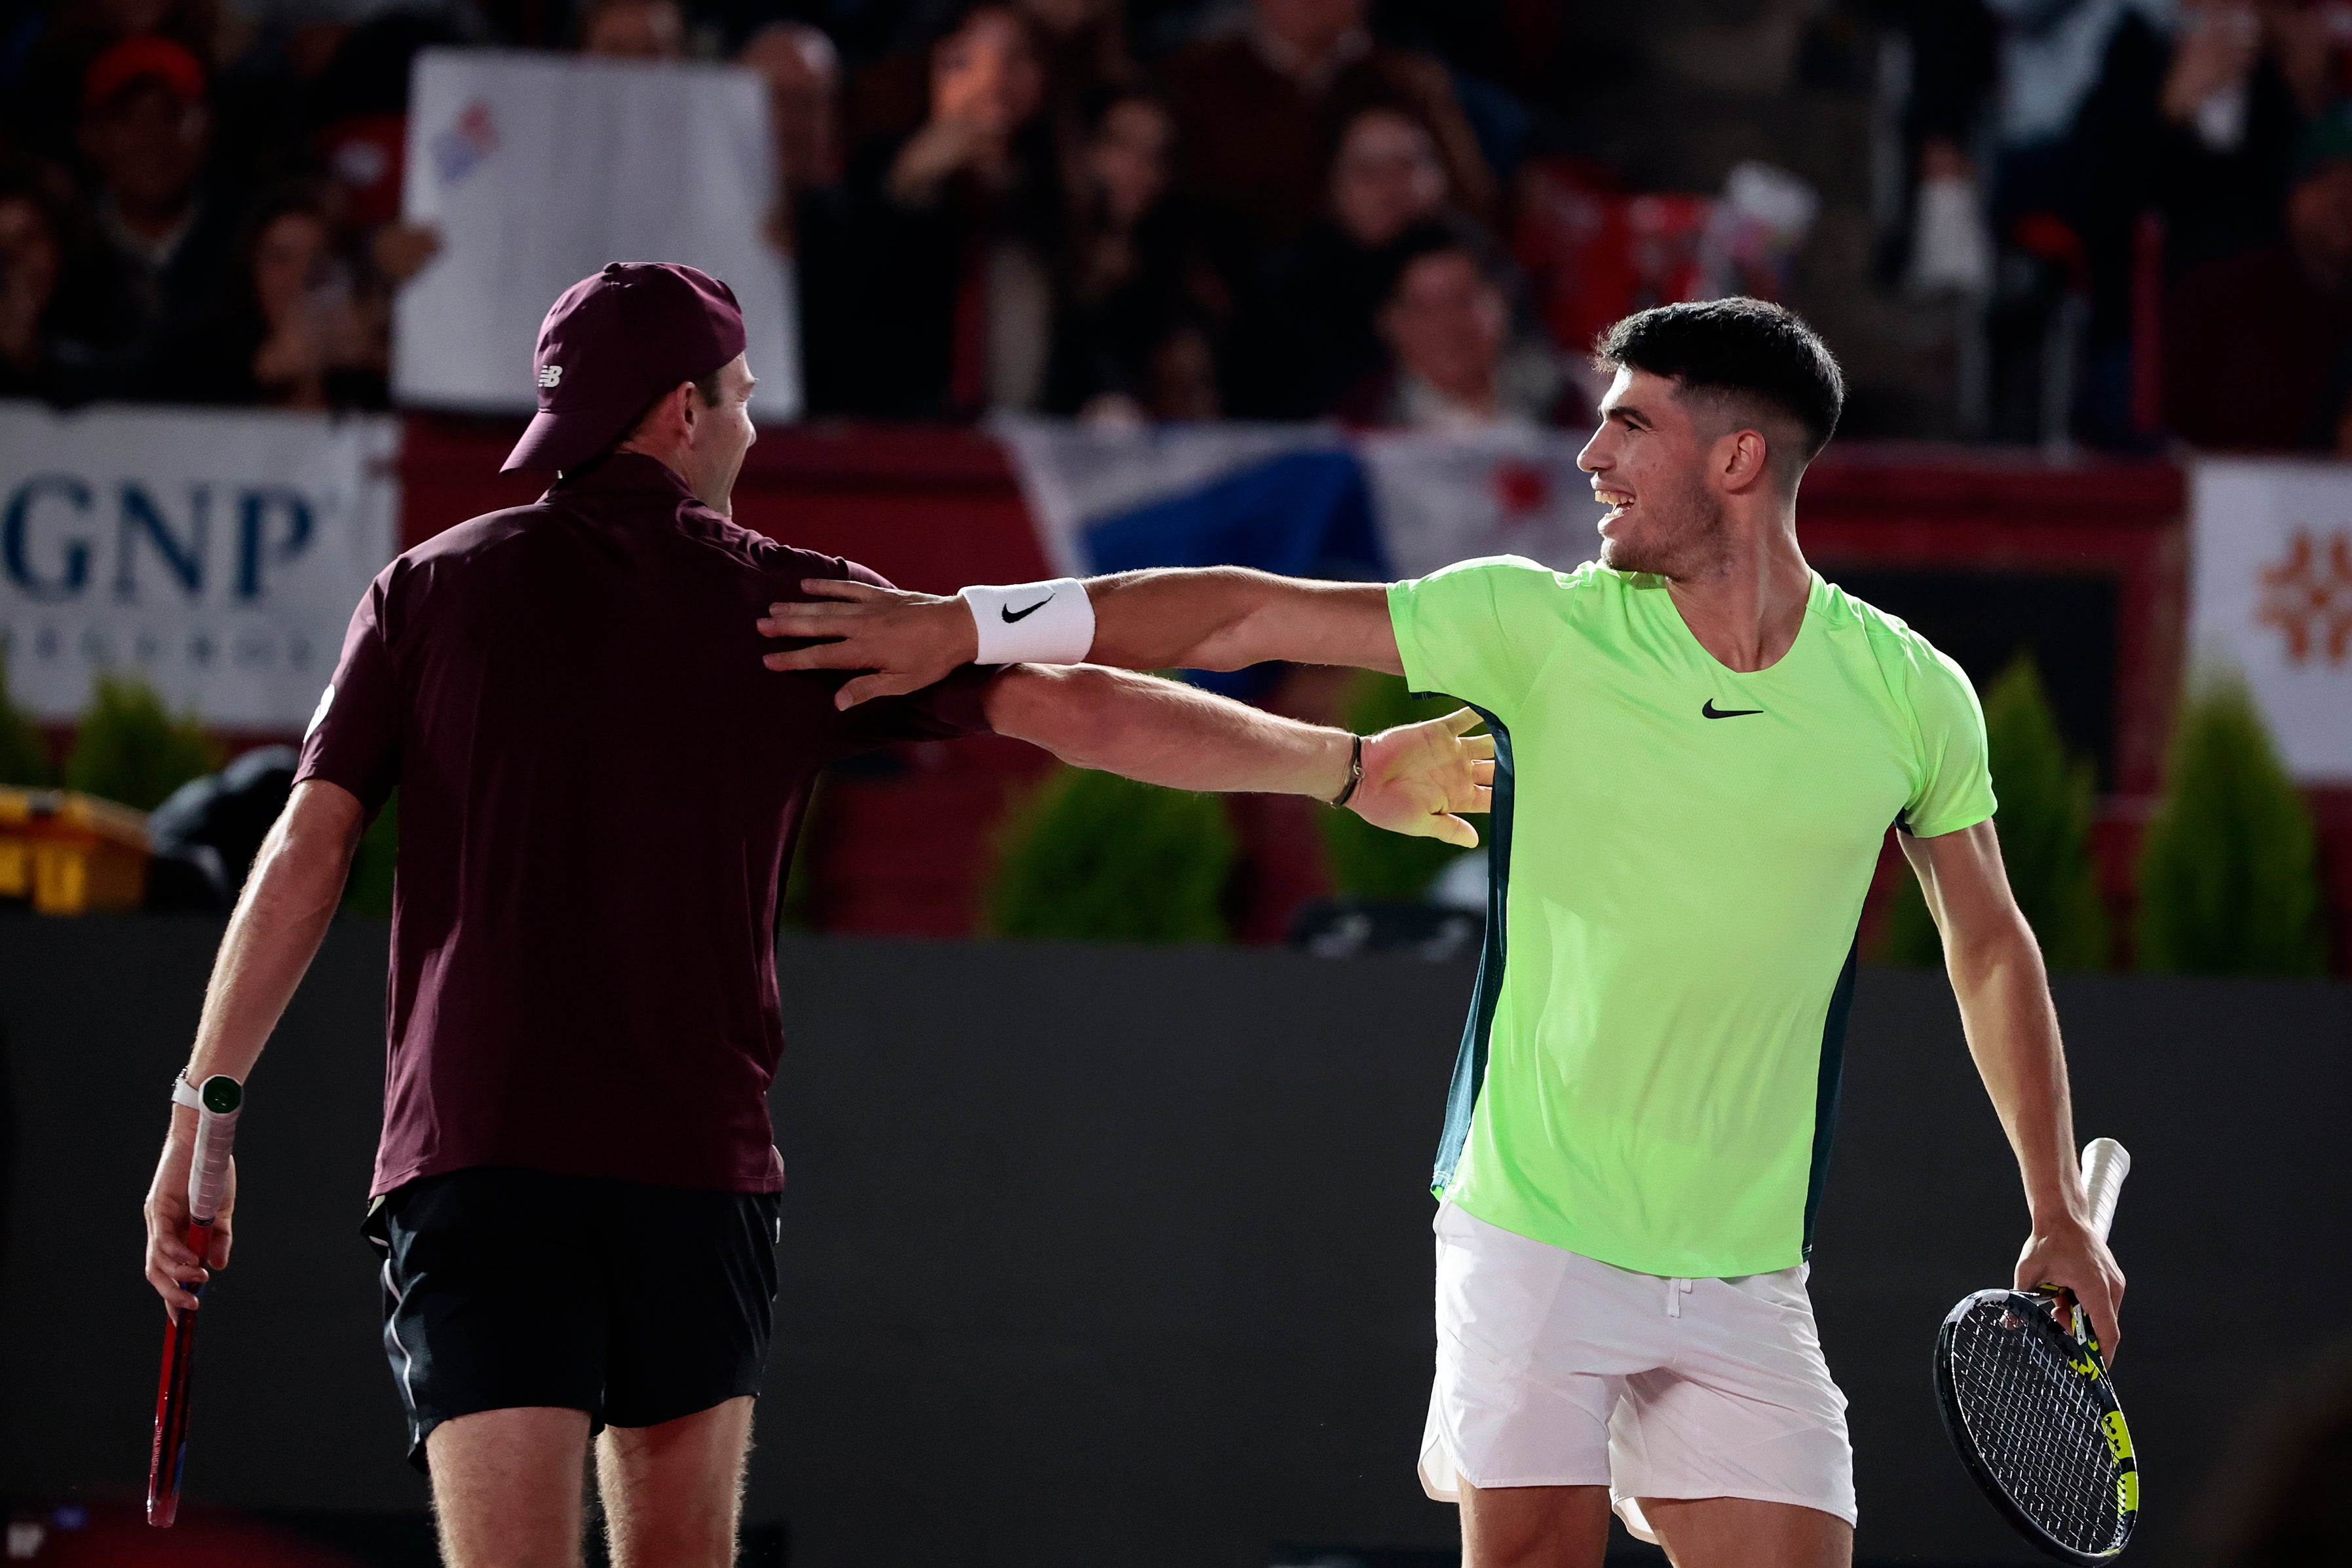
pixel 1534 1527
pixel 1742 1532
pixel 674 1492
pixel 506 1488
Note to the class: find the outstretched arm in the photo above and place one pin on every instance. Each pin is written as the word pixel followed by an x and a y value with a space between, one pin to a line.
pixel 1229 618
pixel 1417 777
pixel 297 882
pixel 1203 617
pixel 2012 1032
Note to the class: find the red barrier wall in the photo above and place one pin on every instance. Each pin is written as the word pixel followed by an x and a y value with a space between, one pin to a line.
pixel 1926 509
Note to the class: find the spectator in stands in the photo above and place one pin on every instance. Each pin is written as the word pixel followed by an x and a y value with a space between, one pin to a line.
pixel 2256 356
pixel 1081 47
pixel 290 334
pixel 803 77
pixel 1256 109
pixel 146 135
pixel 810 224
pixel 1452 363
pixel 633 30
pixel 40 85
pixel 2100 111
pixel 1085 44
pixel 362 141
pixel 2242 85
pixel 49 323
pixel 1303 335
pixel 1131 339
pixel 956 225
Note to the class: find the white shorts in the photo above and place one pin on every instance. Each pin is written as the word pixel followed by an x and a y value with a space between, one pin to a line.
pixel 1554 1369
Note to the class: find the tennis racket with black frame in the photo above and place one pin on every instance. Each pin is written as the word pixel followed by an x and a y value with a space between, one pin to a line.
pixel 207 1186
pixel 2027 1402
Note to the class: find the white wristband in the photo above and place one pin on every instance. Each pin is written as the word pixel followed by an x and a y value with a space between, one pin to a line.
pixel 185 1093
pixel 1033 623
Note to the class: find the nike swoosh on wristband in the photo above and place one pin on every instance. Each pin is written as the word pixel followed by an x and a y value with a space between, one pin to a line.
pixel 1011 614
pixel 1708 710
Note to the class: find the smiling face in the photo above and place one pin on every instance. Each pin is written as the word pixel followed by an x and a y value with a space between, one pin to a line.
pixel 721 435
pixel 1651 463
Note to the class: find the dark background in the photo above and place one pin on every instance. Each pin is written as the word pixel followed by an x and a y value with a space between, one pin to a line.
pixel 1119 1255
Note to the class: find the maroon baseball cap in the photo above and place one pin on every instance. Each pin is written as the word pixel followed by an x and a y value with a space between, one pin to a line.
pixel 614 342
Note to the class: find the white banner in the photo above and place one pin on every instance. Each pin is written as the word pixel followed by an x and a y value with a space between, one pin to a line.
pixel 539 169
pixel 1444 498
pixel 215 554
pixel 2270 593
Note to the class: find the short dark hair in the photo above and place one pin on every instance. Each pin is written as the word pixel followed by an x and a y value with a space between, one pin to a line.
pixel 1736 347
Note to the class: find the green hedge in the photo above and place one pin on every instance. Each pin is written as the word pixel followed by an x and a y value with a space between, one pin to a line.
pixel 2229 874
pixel 2047 799
pixel 368 889
pixel 1365 861
pixel 1092 857
pixel 24 759
pixel 130 749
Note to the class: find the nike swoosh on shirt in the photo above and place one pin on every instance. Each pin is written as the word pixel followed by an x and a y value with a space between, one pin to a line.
pixel 1708 710
pixel 1011 614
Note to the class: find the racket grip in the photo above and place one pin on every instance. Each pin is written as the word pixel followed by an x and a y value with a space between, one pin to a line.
pixel 215 1136
pixel 2105 1163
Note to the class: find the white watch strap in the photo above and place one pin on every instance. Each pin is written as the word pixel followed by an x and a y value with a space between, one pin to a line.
pixel 1033 623
pixel 185 1093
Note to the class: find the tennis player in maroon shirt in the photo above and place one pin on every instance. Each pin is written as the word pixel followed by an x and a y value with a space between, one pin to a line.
pixel 576 1191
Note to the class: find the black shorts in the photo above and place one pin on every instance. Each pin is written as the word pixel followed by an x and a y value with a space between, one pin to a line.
pixel 637 1304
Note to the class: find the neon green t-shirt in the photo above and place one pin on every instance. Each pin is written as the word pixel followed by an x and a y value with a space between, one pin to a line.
pixel 1679 852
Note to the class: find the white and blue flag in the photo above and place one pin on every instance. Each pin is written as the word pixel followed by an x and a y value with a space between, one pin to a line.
pixel 1302 500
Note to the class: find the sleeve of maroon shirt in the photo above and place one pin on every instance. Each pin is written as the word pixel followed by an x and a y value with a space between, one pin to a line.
pixel 354 736
pixel 945 710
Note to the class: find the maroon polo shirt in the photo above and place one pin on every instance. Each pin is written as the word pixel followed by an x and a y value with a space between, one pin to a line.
pixel 600 784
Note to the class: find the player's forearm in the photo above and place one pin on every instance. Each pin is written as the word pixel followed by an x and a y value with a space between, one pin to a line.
pixel 1162 733
pixel 1203 617
pixel 1229 618
pixel 2012 1032
pixel 289 901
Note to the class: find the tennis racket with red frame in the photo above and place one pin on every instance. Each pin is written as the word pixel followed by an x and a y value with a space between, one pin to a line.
pixel 207 1186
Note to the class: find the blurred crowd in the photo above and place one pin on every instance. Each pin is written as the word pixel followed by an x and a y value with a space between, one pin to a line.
pixel 1188 209
pixel 2154 198
pixel 1273 209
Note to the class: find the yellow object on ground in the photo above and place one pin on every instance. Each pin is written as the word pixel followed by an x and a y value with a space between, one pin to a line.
pixel 72 853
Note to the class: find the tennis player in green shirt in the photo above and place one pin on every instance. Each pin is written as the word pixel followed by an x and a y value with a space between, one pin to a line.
pixel 1699 747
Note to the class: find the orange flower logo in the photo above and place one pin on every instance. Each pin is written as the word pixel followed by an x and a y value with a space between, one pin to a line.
pixel 2308 596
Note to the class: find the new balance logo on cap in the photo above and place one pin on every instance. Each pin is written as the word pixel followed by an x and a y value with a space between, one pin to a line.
pixel 614 341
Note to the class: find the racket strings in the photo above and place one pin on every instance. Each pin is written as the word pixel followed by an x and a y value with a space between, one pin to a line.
pixel 2036 1422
